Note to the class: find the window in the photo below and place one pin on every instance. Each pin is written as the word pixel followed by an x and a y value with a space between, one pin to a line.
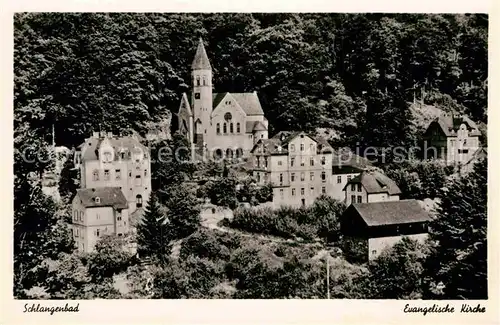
pixel 97 232
pixel 119 217
pixel 95 175
pixel 302 146
pixel 145 172
pixel 281 178
pixel 348 178
pixel 196 95
pixel 238 129
pixel 138 201
pixel 359 187
pixel 293 192
pixel 258 177
pixel 323 190
pixel 138 181
pixel 353 198
pixel 97 200
pixel 218 128
pixel 118 174
pixel 311 147
pixel 323 160
pixel 292 147
pixel 258 161
pixel 106 174
pixel 312 190
pixel 302 161
pixel 77 232
pixel 280 162
pixel 360 199
pixel 302 191
pixel 311 161
pixel 231 130
pixel 323 176
pixel 292 161
pixel 339 179
pixel 75 215
pixel 374 252
pixel 293 177
pixel 353 187
pixel 265 177
pixel 129 173
pixel 302 177
pixel 281 192
pixel 224 128
pixel 204 81
pixel 265 162
pixel 81 215
pixel 197 80
pixel 311 176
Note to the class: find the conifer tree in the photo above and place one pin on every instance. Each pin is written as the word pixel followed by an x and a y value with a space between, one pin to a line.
pixel 152 231
pixel 458 260
pixel 68 180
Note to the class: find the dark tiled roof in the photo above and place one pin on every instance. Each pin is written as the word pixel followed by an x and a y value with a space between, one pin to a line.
pixel 271 147
pixel 376 182
pixel 391 212
pixel 346 157
pixel 200 61
pixel 108 196
pixel 450 124
pixel 345 169
pixel 128 144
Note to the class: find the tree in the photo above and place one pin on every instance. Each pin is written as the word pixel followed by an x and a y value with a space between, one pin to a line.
pixel 68 182
pixel 182 212
pixel 458 257
pixel 111 256
pixel 326 212
pixel 397 272
pixel 152 231
pixel 222 192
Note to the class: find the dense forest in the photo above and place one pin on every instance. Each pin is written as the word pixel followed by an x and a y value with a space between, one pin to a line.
pixel 355 77
pixel 353 74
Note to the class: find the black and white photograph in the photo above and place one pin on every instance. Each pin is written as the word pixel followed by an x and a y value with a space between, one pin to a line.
pixel 250 155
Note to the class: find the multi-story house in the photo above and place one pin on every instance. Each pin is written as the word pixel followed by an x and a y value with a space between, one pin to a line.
pixel 116 161
pixel 369 228
pixel 98 212
pixel 298 166
pixel 115 174
pixel 345 166
pixel 219 124
pixel 371 186
pixel 453 139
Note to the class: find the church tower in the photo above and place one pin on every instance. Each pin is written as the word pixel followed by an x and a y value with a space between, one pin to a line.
pixel 201 74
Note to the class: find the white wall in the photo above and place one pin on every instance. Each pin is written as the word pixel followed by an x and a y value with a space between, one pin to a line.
pixel 377 245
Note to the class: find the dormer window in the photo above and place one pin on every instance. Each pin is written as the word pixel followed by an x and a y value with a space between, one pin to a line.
pixel 97 199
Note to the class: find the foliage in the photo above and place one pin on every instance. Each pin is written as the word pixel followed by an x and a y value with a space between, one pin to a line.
pixel 418 179
pixel 182 212
pixel 320 220
pixel 222 192
pixel 152 231
pixel 111 256
pixel 68 182
pixel 206 243
pixel 458 255
pixel 397 272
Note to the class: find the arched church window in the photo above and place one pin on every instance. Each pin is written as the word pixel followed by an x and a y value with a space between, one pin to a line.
pixel 218 128
pixel 204 81
pixel 231 130
pixel 197 80
pixel 138 201
pixel 239 153
pixel 224 128
pixel 229 153
pixel 238 130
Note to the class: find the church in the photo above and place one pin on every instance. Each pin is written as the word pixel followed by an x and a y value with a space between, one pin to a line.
pixel 219 124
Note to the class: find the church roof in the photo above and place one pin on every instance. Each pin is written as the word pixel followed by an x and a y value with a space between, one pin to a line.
pixel 249 102
pixel 200 61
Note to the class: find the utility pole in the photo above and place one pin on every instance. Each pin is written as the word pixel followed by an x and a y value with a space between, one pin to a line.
pixel 328 276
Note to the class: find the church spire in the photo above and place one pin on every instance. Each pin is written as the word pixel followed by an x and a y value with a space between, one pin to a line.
pixel 201 61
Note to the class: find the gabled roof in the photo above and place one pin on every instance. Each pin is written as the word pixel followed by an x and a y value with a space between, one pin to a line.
pixel 286 136
pixel 107 196
pixel 450 124
pixel 343 157
pixel 200 61
pixel 270 147
pixel 125 143
pixel 249 102
pixel 375 182
pixel 390 212
pixel 187 106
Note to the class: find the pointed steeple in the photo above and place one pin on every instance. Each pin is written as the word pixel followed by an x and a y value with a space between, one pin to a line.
pixel 201 61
